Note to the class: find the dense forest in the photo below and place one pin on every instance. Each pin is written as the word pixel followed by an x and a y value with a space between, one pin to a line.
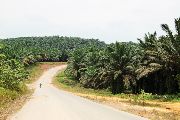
pixel 152 65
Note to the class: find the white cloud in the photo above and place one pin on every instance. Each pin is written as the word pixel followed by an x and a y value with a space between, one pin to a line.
pixel 108 20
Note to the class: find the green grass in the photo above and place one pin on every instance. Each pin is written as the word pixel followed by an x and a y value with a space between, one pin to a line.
pixel 34 72
pixel 69 84
pixel 7 96
pixel 149 96
pixel 52 63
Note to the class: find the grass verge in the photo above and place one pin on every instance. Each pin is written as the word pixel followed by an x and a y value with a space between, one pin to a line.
pixel 144 104
pixel 37 69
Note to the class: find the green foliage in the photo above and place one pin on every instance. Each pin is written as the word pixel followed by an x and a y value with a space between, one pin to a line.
pixel 161 62
pixel 69 84
pixel 110 67
pixel 140 98
pixel 7 95
pixel 32 49
pixel 17 55
pixel 65 80
pixel 12 73
pixel 153 65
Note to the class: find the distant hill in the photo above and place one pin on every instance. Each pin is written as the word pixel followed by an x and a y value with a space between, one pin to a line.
pixel 51 48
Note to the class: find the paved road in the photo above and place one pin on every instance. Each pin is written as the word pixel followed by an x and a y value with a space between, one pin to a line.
pixel 50 103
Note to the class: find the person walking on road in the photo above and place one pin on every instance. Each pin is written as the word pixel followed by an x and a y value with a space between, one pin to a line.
pixel 40 85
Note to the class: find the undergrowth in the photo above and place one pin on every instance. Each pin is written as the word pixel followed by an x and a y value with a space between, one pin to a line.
pixel 68 83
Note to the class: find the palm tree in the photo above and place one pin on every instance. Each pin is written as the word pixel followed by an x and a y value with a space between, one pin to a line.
pixel 161 61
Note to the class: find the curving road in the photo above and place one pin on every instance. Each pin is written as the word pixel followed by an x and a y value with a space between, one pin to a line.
pixel 50 103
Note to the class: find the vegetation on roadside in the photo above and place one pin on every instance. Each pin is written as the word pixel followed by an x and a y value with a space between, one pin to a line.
pixel 69 84
pixel 35 70
pixel 19 59
pixel 12 74
pixel 152 65
pixel 8 95
pixel 12 100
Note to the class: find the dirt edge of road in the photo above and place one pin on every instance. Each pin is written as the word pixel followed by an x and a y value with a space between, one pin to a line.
pixel 153 113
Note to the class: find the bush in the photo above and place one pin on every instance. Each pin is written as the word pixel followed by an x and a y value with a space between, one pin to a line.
pixel 7 95
pixel 12 73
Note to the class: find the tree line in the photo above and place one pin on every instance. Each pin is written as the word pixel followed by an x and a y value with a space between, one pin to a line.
pixel 17 54
pixel 152 65
pixel 52 49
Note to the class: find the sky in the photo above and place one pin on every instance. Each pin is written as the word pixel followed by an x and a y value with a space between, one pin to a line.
pixel 106 20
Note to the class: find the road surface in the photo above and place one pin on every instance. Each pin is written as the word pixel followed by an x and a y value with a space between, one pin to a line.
pixel 50 103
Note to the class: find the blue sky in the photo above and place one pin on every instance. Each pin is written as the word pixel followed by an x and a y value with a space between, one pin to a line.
pixel 107 20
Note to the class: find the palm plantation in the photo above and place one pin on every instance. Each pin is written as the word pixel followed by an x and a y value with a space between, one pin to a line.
pixel 152 65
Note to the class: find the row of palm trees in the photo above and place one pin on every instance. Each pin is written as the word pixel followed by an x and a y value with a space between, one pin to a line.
pixel 152 65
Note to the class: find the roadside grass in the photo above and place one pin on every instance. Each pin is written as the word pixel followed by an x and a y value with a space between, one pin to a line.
pixel 67 83
pixel 7 96
pixel 37 69
pixel 144 104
